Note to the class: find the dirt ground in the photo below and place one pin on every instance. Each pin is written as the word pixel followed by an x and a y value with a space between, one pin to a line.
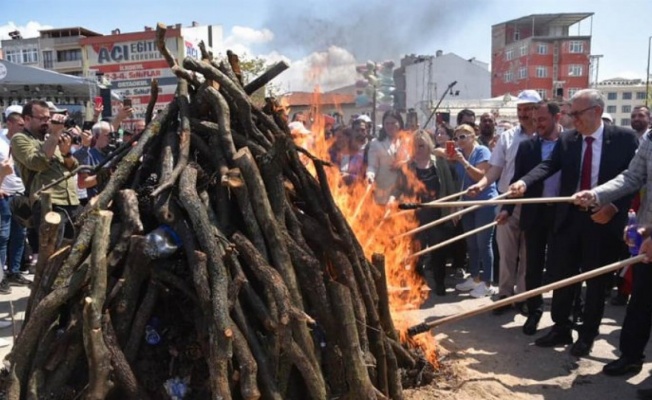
pixel 490 357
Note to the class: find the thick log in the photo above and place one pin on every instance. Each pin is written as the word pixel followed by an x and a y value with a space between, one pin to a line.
pixel 124 375
pixel 136 271
pixel 276 245
pixel 313 380
pixel 268 276
pixel 268 385
pixel 239 96
pixel 393 374
pixel 266 77
pixel 252 229
pixel 44 314
pixel 127 205
pixel 96 351
pixel 153 98
pixel 384 312
pixel 360 386
pixel 140 320
pixel 48 234
pixel 248 367
pixel 184 139
pixel 271 167
pixel 217 274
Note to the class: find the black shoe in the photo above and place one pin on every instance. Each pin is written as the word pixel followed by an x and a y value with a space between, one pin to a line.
pixel 623 366
pixel 619 300
pixel 440 289
pixel 18 280
pixel 4 287
pixel 582 347
pixel 532 323
pixel 644 394
pixel 555 337
pixel 521 306
pixel 502 310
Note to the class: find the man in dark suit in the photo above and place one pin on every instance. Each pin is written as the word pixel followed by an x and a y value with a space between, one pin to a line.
pixel 536 219
pixel 587 156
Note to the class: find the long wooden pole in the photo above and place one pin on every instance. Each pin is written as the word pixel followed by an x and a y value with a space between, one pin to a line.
pixel 495 201
pixel 445 219
pixel 453 239
pixel 426 326
pixel 452 196
pixel 363 200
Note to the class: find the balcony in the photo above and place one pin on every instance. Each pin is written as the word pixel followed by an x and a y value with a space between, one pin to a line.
pixel 66 65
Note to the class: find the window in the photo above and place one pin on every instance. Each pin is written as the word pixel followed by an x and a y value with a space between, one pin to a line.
pixel 30 56
pixel 542 93
pixel 13 56
pixel 575 70
pixel 509 54
pixel 542 72
pixel 612 96
pixel 68 55
pixel 572 91
pixel 576 46
pixel 523 50
pixel 627 95
pixel 47 60
pixel 640 95
pixel 522 73
pixel 611 109
pixel 625 122
pixel 517 35
pixel 626 109
pixel 509 76
pixel 542 48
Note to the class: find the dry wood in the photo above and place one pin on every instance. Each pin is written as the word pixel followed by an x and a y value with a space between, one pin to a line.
pixel 153 98
pixel 266 77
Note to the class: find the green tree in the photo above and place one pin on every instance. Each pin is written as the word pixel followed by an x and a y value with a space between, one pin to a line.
pixel 251 68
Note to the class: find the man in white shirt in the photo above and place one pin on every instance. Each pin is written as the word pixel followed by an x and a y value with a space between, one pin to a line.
pixel 12 233
pixel 510 238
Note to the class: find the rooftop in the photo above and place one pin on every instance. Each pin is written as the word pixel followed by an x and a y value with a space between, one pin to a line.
pixel 563 19
pixel 70 31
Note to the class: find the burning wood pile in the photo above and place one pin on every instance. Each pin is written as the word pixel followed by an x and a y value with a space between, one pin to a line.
pixel 249 284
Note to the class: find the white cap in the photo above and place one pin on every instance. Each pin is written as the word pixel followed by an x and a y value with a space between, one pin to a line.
pixel 608 117
pixel 54 108
pixel 364 117
pixel 12 110
pixel 528 96
pixel 297 127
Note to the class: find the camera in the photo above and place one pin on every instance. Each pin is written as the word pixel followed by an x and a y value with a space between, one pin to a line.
pixel 69 123
pixel 113 141
pixel 74 139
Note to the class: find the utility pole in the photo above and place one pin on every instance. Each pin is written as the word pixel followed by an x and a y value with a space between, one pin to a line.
pixel 594 59
pixel 647 77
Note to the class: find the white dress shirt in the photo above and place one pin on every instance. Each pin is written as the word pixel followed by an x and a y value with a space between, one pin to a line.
pixel 504 154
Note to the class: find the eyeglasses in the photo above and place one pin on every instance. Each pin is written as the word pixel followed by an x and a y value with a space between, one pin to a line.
pixel 576 114
pixel 460 137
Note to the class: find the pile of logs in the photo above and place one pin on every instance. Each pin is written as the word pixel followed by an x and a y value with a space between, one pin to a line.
pixel 269 296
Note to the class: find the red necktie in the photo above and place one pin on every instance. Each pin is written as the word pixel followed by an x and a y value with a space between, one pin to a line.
pixel 585 180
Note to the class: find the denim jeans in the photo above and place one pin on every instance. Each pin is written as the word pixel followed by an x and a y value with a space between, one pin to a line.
pixel 481 256
pixel 12 239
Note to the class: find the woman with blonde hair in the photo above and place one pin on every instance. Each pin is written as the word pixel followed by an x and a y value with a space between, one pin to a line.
pixel 436 180
pixel 472 161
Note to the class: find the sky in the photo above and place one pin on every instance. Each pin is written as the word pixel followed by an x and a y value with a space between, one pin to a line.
pixel 323 40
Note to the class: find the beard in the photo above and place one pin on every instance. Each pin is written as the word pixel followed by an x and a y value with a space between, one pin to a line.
pixel 639 125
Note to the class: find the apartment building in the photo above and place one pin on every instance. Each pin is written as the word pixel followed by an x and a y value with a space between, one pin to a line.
pixel 541 52
pixel 621 96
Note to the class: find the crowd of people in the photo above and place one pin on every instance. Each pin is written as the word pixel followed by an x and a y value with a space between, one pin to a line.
pixel 555 149
pixel 42 144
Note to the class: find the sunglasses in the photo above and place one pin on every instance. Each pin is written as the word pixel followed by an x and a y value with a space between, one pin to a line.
pixel 460 137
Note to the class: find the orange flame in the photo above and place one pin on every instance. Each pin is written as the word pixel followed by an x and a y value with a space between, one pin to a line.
pixel 376 228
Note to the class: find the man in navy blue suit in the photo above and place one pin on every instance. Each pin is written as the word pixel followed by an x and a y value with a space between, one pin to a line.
pixel 587 156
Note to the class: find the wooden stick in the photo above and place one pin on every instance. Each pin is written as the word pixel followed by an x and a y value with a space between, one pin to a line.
pixel 452 196
pixel 266 77
pixel 453 239
pixel 445 219
pixel 495 201
pixel 363 200
pixel 426 326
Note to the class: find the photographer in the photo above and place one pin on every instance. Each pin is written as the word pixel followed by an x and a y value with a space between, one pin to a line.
pixel 42 154
pixel 101 142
